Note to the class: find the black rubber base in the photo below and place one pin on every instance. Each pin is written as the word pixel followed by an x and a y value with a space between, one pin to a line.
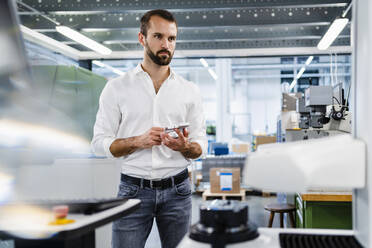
pixel 221 239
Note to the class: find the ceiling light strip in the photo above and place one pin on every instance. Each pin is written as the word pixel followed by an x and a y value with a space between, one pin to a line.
pixel 48 42
pixel 83 40
pixel 100 64
pixel 301 72
pixel 210 70
pixel 334 30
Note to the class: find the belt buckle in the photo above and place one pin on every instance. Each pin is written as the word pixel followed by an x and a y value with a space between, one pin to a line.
pixel 152 185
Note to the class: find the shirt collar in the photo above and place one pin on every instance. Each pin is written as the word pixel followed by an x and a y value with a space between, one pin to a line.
pixel 139 69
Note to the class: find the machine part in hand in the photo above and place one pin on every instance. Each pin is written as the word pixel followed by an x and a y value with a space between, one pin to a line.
pixel 171 130
pixel 223 222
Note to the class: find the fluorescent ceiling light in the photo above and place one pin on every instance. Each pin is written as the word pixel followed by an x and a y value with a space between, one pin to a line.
pixel 302 70
pixel 213 74
pixel 46 41
pixel 100 64
pixel 334 30
pixel 204 62
pixel 308 61
pixel 83 40
pixel 299 74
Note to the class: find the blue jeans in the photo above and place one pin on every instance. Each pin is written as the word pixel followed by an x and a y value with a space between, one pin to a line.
pixel 170 207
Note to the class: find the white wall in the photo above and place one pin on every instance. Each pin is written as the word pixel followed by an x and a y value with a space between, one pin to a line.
pixel 264 97
pixel 256 100
pixel 260 97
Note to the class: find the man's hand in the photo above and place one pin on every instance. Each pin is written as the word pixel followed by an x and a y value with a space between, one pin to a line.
pixel 123 147
pixel 150 138
pixel 182 144
pixel 177 144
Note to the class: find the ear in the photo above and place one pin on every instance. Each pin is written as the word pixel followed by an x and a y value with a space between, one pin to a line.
pixel 141 39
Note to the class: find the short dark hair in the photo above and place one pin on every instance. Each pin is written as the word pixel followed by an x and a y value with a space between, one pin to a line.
pixel 165 14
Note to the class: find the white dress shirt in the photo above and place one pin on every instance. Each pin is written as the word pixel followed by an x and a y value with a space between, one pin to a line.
pixel 129 106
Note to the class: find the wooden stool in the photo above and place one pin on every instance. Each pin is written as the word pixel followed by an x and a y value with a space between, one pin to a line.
pixel 281 209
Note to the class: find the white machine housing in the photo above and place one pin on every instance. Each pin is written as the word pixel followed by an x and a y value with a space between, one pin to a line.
pixel 336 163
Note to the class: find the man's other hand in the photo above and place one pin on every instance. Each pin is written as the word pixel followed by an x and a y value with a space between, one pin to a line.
pixel 151 137
pixel 180 143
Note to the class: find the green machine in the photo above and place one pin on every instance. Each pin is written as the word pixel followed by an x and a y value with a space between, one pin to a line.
pixel 323 214
pixel 73 91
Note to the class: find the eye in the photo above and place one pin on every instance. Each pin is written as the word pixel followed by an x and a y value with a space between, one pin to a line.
pixel 172 38
pixel 157 36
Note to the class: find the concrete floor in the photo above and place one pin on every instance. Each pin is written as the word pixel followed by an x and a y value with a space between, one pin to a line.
pixel 257 215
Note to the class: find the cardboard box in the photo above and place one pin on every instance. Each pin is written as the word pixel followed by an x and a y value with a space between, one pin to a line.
pixel 243 148
pixel 289 120
pixel 289 101
pixel 225 180
pixel 265 140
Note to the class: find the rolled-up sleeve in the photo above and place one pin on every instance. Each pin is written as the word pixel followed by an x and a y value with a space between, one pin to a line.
pixel 196 119
pixel 107 122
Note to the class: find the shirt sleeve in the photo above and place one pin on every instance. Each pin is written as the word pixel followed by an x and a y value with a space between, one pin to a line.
pixel 107 122
pixel 196 119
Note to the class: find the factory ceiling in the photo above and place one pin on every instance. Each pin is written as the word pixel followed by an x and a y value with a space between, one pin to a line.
pixel 206 27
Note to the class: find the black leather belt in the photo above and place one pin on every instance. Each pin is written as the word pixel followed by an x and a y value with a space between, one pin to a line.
pixel 157 184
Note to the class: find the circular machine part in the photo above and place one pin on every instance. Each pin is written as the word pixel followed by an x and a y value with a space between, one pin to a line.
pixel 223 222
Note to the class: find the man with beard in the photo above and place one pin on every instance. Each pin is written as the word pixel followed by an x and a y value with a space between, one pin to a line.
pixel 134 110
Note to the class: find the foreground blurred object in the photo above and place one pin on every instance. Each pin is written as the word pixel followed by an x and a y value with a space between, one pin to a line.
pixel 336 162
pixel 26 221
pixel 39 140
pixel 13 59
pixel 32 226
pixel 221 222
pixel 225 224
pixel 32 133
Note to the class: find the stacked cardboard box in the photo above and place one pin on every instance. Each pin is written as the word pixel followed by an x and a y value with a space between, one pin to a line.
pixel 225 180
pixel 243 148
pixel 289 101
pixel 260 140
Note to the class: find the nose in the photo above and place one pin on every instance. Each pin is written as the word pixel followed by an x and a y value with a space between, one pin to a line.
pixel 165 43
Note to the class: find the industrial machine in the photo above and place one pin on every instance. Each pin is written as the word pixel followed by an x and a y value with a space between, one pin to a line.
pixel 316 100
pixel 299 171
pixel 322 112
pixel 320 109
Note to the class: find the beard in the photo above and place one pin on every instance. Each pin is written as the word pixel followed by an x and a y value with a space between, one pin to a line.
pixel 159 59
